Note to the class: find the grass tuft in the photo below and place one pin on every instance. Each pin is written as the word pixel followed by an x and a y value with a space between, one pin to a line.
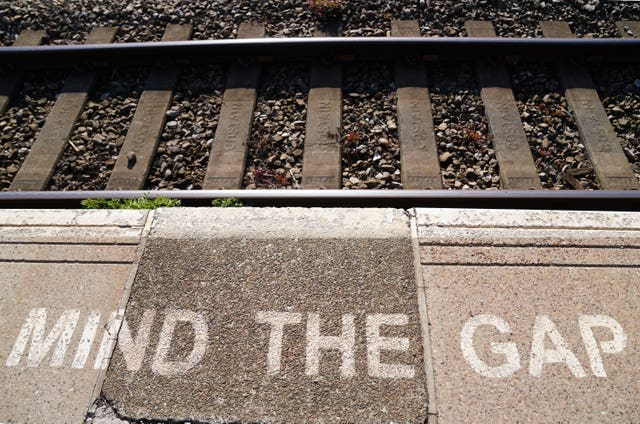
pixel 144 202
pixel 229 202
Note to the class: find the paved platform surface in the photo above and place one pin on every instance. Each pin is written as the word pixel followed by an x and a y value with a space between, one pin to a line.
pixel 319 315
pixel 298 316
pixel 533 316
pixel 63 290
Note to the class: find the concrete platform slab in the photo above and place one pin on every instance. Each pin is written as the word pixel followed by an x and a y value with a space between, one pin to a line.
pixel 533 315
pixel 315 315
pixel 273 315
pixel 62 294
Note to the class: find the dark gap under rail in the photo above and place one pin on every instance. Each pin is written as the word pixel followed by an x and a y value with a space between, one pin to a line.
pixel 310 48
pixel 490 199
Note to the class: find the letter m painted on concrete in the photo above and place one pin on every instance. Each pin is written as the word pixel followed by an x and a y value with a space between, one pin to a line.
pixel 34 329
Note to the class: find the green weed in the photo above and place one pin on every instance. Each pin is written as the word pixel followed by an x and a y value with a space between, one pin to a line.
pixel 144 202
pixel 229 202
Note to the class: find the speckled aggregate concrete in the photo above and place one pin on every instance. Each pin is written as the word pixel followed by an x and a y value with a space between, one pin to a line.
pixel 62 281
pixel 533 316
pixel 353 269
pixel 320 315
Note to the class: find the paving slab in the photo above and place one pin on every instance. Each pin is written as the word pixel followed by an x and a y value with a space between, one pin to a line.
pixel 533 315
pixel 63 288
pixel 273 315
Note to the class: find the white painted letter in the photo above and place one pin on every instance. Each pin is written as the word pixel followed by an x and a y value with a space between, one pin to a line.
pixel 88 334
pixel 34 328
pixel 277 321
pixel 376 343
pixel 617 345
pixel 134 348
pixel 345 343
pixel 510 349
pixel 539 355
pixel 201 339
pixel 108 339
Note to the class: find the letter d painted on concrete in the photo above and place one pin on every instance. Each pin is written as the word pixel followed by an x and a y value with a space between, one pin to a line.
pixel 201 339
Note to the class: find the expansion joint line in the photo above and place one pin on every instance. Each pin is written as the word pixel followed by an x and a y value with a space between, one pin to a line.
pixel 432 411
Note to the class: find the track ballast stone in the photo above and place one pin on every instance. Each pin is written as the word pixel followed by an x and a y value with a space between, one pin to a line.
pixel 141 20
pixel 22 121
pixel 276 144
pixel 551 129
pixel 619 90
pixel 191 121
pixel 370 149
pixel 97 136
pixel 466 155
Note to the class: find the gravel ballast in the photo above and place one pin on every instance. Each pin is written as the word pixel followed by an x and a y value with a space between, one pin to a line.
pixel 276 144
pixel 370 145
pixel 191 122
pixel 552 133
pixel 370 150
pixel 95 141
pixel 141 20
pixel 467 158
pixel 619 90
pixel 22 121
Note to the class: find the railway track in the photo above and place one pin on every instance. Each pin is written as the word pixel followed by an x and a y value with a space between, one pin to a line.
pixel 406 298
pixel 321 174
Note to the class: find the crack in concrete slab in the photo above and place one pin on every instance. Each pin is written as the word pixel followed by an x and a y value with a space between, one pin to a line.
pixel 105 412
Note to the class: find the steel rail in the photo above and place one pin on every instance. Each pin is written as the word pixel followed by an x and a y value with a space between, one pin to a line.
pixel 504 199
pixel 336 48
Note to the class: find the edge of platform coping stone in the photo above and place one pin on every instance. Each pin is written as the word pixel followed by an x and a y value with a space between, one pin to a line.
pixel 96 393
pixel 432 410
pixel 527 219
pixel 281 223
pixel 72 218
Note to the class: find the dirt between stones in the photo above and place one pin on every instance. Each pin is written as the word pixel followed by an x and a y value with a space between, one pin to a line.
pixel 272 330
